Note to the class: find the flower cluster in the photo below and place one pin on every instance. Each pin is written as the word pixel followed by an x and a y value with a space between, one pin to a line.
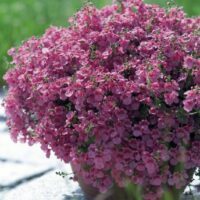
pixel 117 94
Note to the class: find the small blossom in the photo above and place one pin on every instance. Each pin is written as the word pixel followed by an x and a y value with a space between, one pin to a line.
pixel 171 98
pixel 189 62
pixel 116 94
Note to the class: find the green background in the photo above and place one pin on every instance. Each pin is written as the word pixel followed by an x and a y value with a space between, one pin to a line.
pixel 20 19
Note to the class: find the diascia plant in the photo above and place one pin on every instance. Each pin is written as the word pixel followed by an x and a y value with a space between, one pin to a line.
pixel 117 94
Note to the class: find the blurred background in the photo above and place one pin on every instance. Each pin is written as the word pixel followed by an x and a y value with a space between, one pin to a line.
pixel 20 19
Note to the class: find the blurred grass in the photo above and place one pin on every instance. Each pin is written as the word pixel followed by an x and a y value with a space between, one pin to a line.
pixel 191 7
pixel 20 19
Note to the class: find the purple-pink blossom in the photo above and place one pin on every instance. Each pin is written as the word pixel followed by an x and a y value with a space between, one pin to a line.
pixel 117 94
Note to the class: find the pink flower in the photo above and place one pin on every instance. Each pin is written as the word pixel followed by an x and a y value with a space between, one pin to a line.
pixel 151 168
pixel 137 133
pixel 171 97
pixel 99 163
pixel 192 99
pixel 189 62
pixel 113 94
pixel 156 181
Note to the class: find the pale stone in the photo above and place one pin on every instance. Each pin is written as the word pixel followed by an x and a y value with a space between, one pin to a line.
pixel 47 187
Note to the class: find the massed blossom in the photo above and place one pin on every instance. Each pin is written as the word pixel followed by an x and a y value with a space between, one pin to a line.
pixel 113 94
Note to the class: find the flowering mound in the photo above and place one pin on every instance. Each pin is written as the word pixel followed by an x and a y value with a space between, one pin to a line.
pixel 117 94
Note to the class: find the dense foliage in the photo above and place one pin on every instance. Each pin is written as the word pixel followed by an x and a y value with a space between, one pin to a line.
pixel 117 94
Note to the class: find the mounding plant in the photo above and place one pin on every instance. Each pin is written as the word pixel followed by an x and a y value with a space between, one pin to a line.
pixel 116 94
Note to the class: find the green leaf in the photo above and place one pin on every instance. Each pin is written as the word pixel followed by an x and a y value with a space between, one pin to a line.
pixel 182 116
pixel 89 128
pixel 134 191
pixel 63 174
pixel 84 147
pixel 144 110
